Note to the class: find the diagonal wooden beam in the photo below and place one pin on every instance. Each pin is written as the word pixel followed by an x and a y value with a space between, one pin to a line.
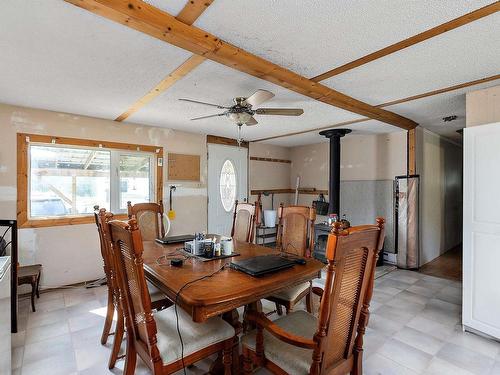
pixel 181 71
pixel 192 10
pixel 387 104
pixel 190 13
pixel 440 29
pixel 154 22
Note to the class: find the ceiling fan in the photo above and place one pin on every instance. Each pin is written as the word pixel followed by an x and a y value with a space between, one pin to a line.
pixel 243 110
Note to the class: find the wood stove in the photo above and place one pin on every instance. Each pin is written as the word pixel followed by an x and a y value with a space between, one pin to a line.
pixel 321 232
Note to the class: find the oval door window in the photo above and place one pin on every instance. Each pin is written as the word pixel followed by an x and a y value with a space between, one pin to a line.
pixel 227 185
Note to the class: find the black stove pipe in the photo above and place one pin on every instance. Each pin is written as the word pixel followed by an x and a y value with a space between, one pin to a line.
pixel 334 136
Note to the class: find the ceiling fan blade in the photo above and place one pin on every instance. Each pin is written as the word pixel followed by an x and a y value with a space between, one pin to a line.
pixel 251 122
pixel 202 117
pixel 258 97
pixel 280 111
pixel 198 102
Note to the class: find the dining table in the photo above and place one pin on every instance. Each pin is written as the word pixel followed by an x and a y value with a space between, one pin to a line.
pixel 205 289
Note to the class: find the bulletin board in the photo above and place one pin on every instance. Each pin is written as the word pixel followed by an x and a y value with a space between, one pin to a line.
pixel 183 167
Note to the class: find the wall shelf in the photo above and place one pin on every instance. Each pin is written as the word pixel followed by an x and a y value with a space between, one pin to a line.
pixel 312 191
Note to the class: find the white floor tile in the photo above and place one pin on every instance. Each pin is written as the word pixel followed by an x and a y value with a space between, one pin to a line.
pixel 431 327
pixel 405 355
pixel 441 367
pixel 413 317
pixel 377 364
pixel 476 343
pixel 419 340
pixel 465 358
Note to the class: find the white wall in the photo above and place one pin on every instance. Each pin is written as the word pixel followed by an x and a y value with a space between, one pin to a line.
pixel 439 164
pixel 369 163
pixel 71 254
pixel 269 175
pixel 483 106
pixel 363 157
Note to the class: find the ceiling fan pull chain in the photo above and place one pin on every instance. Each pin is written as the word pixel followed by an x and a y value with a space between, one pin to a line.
pixel 239 136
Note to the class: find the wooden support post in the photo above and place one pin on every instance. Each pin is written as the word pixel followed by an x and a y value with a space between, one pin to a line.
pixel 410 150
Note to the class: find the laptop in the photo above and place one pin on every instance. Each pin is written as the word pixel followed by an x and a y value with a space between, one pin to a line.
pixel 262 265
pixel 175 239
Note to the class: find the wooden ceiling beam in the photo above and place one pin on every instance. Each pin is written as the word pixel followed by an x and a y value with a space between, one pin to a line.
pixel 181 71
pixel 190 13
pixel 161 25
pixel 387 104
pixel 440 91
pixel 192 10
pixel 440 29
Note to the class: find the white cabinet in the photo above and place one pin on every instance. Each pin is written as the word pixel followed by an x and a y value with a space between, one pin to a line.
pixel 481 242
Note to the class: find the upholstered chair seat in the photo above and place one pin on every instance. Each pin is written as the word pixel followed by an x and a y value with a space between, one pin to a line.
pixel 195 336
pixel 292 293
pixel 290 358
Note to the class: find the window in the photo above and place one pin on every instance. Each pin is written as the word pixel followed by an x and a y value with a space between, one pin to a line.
pixel 227 185
pixel 66 178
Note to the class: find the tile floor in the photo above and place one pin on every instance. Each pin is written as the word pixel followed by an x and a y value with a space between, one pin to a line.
pixel 414 329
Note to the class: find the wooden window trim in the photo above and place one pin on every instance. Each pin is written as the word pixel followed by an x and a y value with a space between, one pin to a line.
pixel 23 140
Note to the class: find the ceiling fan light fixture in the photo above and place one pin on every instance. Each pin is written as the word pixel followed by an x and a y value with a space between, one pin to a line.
pixel 239 117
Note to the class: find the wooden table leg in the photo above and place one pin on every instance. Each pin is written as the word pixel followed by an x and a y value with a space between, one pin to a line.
pixel 33 293
pixel 38 285
pixel 254 306
pixel 232 317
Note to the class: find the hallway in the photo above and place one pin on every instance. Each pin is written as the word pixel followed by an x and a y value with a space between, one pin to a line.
pixel 447 266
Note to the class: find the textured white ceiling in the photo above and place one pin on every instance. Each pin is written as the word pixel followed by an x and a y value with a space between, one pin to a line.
pixel 429 112
pixel 56 56
pixel 361 128
pixel 311 37
pixel 461 55
pixel 215 83
pixel 59 57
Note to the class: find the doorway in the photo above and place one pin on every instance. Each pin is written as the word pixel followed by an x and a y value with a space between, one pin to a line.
pixel 227 182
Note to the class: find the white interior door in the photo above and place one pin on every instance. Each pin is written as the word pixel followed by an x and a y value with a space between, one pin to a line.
pixel 227 181
pixel 481 294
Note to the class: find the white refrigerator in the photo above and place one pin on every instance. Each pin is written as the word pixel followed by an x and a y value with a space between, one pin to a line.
pixel 481 230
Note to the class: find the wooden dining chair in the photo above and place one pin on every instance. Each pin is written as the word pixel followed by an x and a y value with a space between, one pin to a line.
pixel 149 217
pixel 156 339
pixel 160 301
pixel 113 303
pixel 244 218
pixel 300 343
pixel 295 236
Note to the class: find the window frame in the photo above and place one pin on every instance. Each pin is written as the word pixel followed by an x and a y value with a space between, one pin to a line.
pixel 23 183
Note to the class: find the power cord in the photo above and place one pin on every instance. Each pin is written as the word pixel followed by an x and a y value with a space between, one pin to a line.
pixel 177 315
pixel 172 255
